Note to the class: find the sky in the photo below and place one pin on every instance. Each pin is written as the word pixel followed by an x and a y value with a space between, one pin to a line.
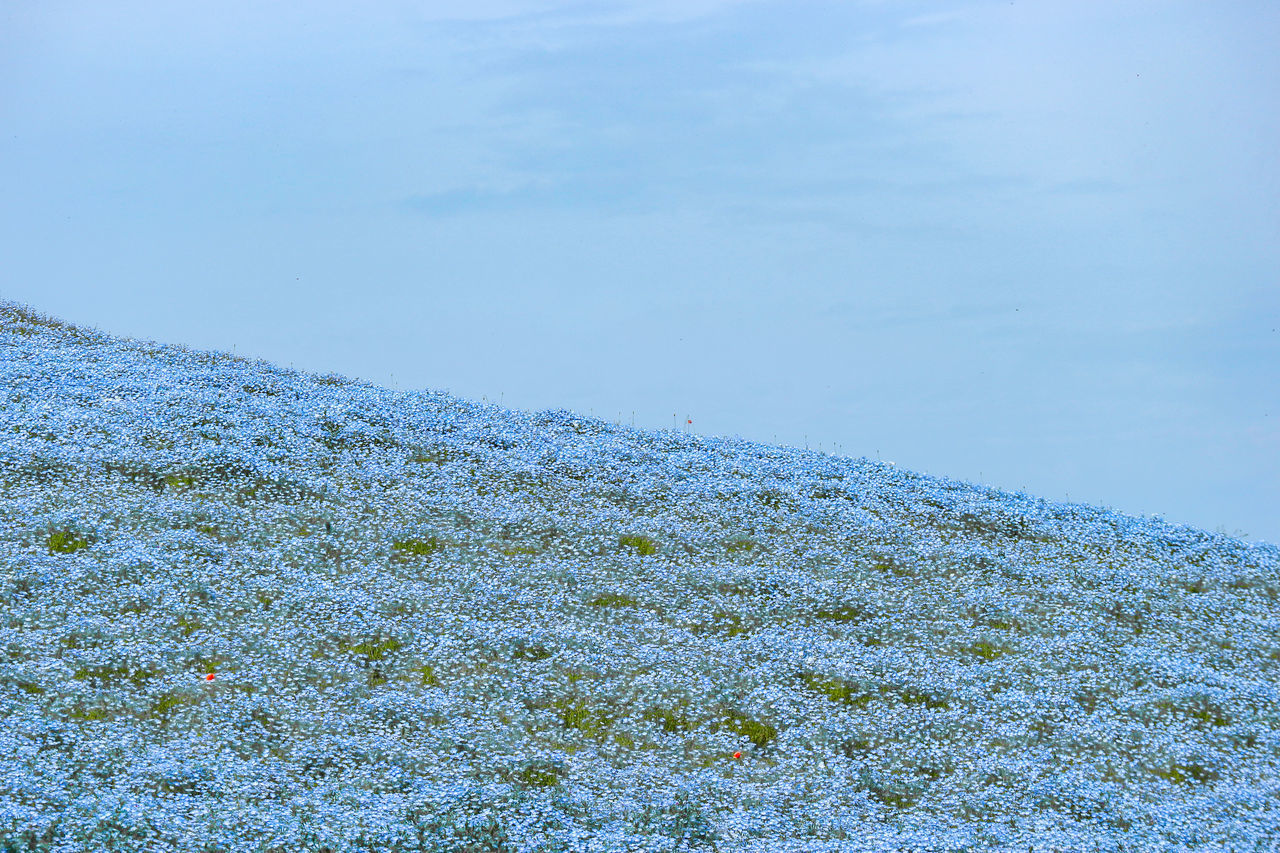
pixel 1034 245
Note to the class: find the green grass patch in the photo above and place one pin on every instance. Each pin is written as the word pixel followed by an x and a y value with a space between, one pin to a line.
pixel 890 566
pixel 180 481
pixel 610 599
pixel 838 690
pixel 672 720
pixel 418 547
pixel 642 545
pixel 844 613
pixel 429 678
pixel 915 696
pixel 88 714
pixel 1186 773
pixel 758 732
pixel 66 542
pixel 773 499
pixel 518 550
pixel 534 652
pixel 857 695
pixel 723 622
pixel 431 456
pixel 107 676
pixel 372 650
pixel 985 650
pixel 188 626
pixel 1200 709
pixel 168 702
pixel 539 774
pixel 576 714
pixel 29 687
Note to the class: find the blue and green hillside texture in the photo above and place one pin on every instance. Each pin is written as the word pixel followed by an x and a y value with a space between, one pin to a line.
pixel 244 608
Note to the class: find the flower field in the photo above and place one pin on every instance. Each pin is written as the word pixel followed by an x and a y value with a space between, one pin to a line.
pixel 436 625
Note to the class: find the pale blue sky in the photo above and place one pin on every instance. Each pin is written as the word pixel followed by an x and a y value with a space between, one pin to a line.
pixel 1035 245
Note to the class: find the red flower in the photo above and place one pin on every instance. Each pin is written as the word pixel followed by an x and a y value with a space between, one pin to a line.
pixel 737 755
pixel 209 677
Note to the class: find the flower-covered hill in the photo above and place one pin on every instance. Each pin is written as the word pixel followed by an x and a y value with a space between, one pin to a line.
pixel 438 625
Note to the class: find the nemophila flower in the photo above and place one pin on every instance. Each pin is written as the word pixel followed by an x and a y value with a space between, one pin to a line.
pixel 907 650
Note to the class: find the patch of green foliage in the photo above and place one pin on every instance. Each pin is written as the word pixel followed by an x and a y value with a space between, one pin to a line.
pixel 1183 773
pixel 734 627
pixel 985 650
pixel 371 649
pixel 29 687
pixel 107 676
pixel 860 696
pixel 89 714
pixel 431 456
pixel 534 652
pixel 914 696
pixel 418 547
pixel 642 545
pixel 838 690
pixel 66 542
pixel 169 701
pixel 891 566
pixel 518 550
pixel 672 719
pixel 610 599
pixel 180 481
pixel 741 545
pixel 773 499
pixel 844 613
pixel 188 626
pixel 576 714
pixel 756 731
pixel 428 675
pixel 539 774
pixel 1200 708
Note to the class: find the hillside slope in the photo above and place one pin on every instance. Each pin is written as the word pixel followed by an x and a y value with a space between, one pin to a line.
pixel 437 625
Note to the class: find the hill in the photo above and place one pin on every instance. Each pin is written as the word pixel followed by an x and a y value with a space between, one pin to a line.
pixel 248 608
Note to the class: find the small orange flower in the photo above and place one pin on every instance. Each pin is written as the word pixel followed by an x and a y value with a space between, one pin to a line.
pixel 737 755
pixel 209 677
